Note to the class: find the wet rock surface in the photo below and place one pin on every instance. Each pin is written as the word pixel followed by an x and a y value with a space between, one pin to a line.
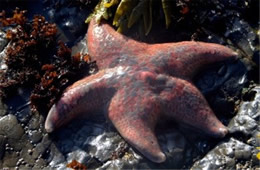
pixel 230 88
pixel 240 152
pixel 228 155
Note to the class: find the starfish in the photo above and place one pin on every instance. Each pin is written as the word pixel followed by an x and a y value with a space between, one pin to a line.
pixel 140 83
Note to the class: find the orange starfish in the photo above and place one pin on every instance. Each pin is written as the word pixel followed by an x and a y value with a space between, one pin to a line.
pixel 139 83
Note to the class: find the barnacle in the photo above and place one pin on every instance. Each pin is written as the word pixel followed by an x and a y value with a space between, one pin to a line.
pixel 129 12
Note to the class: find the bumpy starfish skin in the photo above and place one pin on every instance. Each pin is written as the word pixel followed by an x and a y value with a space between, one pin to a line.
pixel 139 83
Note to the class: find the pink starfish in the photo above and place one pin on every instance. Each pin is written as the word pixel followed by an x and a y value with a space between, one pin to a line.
pixel 139 83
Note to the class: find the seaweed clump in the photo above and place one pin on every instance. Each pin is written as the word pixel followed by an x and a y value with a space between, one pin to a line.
pixel 76 165
pixel 26 51
pixel 129 12
pixel 33 60
pixel 60 74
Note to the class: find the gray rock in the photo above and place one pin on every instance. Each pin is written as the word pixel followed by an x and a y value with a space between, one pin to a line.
pixel 3 45
pixel 26 153
pixel 234 153
pixel 10 159
pixel 2 146
pixel 3 40
pixel 39 164
pixel 79 155
pixel 34 136
pixel 247 119
pixel 57 158
pixel 3 108
pixel 225 156
pixel 10 127
pixel 242 34
pixel 103 146
pixel 17 144
pixel 41 147
pixel 36 122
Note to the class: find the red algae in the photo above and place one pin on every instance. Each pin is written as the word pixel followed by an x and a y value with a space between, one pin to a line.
pixel 32 63
pixel 76 165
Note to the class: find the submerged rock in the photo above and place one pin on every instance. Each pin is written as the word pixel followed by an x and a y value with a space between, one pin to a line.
pixel 247 119
pixel 240 152
pixel 226 156
pixel 10 127
pixel 3 44
pixel 3 40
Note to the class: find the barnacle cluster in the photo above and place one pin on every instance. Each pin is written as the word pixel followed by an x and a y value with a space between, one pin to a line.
pixel 129 12
pixel 33 60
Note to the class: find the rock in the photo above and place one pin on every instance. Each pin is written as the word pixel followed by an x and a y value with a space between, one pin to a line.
pixel 10 127
pixel 34 136
pixel 225 156
pixel 176 148
pixel 17 144
pixel 36 122
pixel 57 159
pixel 26 154
pixel 3 108
pixel 69 18
pixel 79 155
pixel 247 119
pixel 241 33
pixel 3 47
pixel 41 147
pixel 2 146
pixel 234 153
pixel 39 164
pixel 10 159
pixel 102 146
pixel 3 40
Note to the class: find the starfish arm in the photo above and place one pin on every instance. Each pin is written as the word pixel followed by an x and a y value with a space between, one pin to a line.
pixel 135 117
pixel 185 59
pixel 107 45
pixel 184 103
pixel 84 97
